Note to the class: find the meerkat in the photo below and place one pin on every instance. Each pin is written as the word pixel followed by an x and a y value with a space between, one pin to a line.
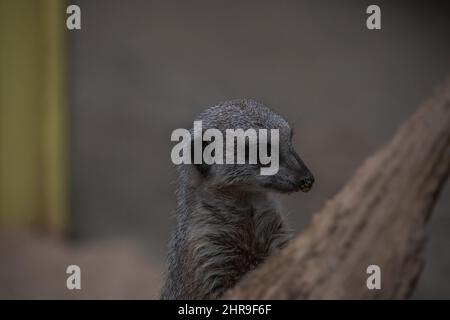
pixel 227 219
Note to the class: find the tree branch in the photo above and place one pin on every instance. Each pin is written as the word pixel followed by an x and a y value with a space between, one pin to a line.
pixel 379 217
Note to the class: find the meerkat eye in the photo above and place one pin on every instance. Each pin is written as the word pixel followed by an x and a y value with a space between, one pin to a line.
pixel 247 151
pixel 269 149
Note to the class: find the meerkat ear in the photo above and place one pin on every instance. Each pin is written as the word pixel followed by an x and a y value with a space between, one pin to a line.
pixel 202 168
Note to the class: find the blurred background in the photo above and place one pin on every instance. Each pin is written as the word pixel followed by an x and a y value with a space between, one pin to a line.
pixel 86 118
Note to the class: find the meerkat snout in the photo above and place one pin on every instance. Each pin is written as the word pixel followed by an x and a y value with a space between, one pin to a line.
pixel 305 179
pixel 293 175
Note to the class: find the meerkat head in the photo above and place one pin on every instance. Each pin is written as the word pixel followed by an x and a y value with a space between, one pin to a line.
pixel 292 174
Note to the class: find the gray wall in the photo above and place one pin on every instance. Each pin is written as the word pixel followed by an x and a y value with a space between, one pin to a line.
pixel 143 68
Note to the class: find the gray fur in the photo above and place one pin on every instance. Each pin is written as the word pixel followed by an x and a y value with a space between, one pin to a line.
pixel 227 218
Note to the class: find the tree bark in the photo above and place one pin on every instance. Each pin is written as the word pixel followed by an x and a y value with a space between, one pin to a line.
pixel 378 218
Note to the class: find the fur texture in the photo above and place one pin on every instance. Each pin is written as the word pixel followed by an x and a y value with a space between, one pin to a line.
pixel 227 218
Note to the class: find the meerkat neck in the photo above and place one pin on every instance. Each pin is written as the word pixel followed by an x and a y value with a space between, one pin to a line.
pixel 227 234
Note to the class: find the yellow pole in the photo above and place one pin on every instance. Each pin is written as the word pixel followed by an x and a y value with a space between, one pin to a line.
pixel 33 179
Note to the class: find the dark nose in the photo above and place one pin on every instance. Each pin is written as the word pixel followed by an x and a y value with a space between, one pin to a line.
pixel 306 183
pixel 306 177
